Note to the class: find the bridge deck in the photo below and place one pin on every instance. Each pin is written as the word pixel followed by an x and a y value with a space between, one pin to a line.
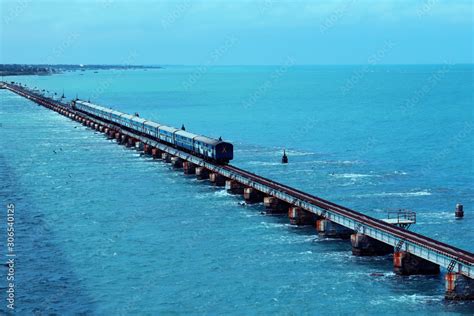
pixel 455 259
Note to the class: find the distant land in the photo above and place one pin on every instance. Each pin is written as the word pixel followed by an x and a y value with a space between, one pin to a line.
pixel 44 70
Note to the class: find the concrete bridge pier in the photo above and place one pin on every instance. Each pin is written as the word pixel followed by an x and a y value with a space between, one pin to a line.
pixel 405 263
pixel 252 196
pixel 118 136
pixel 139 145
pixel 156 153
pixel 301 217
pixel 147 149
pixel 234 187
pixel 123 139
pixel 363 245
pixel 130 142
pixel 166 157
pixel 459 287
pixel 217 179
pixel 274 206
pixel 189 167
pixel 177 162
pixel 329 229
pixel 202 173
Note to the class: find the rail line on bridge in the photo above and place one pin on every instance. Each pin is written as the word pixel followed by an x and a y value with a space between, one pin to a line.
pixel 410 248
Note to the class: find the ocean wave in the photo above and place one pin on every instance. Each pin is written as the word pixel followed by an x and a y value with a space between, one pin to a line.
pixel 396 194
pixel 294 153
pixel 221 193
pixel 337 162
pixel 416 298
pixel 353 175
pixel 264 163
pixel 409 299
pixel 400 172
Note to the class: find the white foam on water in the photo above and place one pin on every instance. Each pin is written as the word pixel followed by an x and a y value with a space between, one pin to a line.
pixel 397 194
pixel 264 163
pixel 400 172
pixel 222 193
pixel 337 162
pixel 416 298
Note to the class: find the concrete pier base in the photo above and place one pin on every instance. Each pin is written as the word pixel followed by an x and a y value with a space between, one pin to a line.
pixel 458 287
pixel 124 139
pixel 405 263
pixel 101 129
pixel 139 145
pixel 147 149
pixel 202 173
pixel 234 187
pixel 189 167
pixel 363 245
pixel 252 195
pixel 301 217
pixel 130 142
pixel 217 179
pixel 329 229
pixel 166 157
pixel 275 206
pixel 118 137
pixel 176 162
pixel 156 153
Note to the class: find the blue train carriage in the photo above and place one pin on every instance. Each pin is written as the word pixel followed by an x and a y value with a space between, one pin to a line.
pixel 126 120
pixel 138 124
pixel 215 149
pixel 151 128
pixel 115 116
pixel 166 133
pixel 106 113
pixel 184 139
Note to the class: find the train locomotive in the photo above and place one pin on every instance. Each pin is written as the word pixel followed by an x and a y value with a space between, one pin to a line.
pixel 205 147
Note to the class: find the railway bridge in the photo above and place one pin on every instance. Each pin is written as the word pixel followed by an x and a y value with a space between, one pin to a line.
pixel 413 253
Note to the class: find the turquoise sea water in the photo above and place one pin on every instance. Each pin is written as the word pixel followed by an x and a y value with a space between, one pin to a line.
pixel 102 230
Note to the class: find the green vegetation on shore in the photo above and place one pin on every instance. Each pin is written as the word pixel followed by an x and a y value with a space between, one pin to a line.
pixel 24 69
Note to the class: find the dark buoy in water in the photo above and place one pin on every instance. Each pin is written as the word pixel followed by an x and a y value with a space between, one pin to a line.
pixel 284 159
pixel 459 213
pixel 183 128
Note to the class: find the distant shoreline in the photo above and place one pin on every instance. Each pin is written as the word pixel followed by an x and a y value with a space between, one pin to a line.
pixel 47 70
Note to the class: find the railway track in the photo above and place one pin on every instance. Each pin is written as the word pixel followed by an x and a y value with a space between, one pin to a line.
pixel 399 234
pixel 453 252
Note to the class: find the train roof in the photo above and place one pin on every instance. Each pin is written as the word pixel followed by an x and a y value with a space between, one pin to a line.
pixel 106 110
pixel 138 119
pixel 207 140
pixel 152 124
pixel 186 134
pixel 116 112
pixel 126 116
pixel 91 105
pixel 168 128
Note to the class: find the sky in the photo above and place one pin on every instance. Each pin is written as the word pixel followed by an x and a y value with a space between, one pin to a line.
pixel 232 32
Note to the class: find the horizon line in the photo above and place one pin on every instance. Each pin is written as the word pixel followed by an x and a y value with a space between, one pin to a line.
pixel 238 65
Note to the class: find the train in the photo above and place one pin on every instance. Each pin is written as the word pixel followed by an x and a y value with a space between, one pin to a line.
pixel 215 150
